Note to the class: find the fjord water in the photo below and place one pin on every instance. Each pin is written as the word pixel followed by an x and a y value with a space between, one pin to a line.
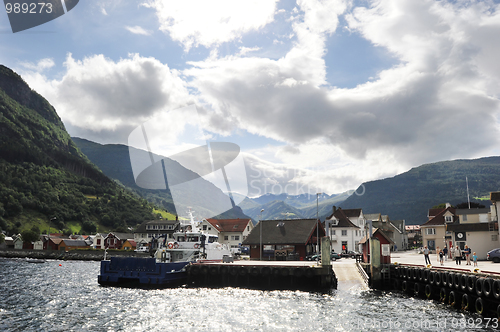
pixel 65 296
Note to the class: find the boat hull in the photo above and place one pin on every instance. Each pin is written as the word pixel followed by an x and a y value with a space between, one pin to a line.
pixel 141 272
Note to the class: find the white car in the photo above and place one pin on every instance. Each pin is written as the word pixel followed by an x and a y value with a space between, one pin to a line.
pixel 142 249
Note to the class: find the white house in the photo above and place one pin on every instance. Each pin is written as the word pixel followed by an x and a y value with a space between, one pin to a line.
pixel 346 229
pixel 230 231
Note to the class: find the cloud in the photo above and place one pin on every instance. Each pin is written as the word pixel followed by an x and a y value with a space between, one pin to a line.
pixel 439 102
pixel 137 30
pixel 208 23
pixel 40 66
pixel 98 94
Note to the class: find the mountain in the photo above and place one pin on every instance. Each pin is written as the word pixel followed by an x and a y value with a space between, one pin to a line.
pixel 409 195
pixel 294 206
pixel 274 210
pixel 45 180
pixel 114 161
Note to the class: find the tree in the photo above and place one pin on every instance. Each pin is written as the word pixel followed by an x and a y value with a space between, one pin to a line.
pixel 30 236
pixel 473 205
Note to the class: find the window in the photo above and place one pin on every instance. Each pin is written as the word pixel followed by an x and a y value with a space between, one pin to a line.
pixel 333 232
pixel 237 237
pixel 248 228
pixel 448 219
pixel 344 232
pixel 430 231
pixel 464 218
pixel 98 242
pixel 204 227
pixel 226 237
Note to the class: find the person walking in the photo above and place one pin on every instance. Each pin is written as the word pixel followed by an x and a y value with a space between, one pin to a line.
pixel 458 256
pixel 441 257
pixel 474 258
pixel 467 252
pixel 445 252
pixel 426 255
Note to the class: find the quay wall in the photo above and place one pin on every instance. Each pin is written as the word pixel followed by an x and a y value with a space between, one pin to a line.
pixel 82 255
pixel 461 290
pixel 262 276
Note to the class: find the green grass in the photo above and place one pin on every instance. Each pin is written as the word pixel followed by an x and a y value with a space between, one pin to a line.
pixel 164 214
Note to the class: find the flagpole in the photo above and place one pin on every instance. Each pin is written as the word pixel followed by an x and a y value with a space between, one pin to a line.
pixel 467 182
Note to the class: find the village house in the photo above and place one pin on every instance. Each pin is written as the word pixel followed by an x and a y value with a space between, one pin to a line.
pixel 414 235
pixel 477 228
pixel 394 229
pixel 98 241
pixel 434 233
pixel 116 240
pixel 284 239
pixel 70 244
pixel 346 228
pixel 129 245
pixel 153 229
pixel 230 231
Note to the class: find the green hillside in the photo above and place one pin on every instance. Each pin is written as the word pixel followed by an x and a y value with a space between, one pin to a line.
pixel 45 179
pixel 409 195
pixel 114 161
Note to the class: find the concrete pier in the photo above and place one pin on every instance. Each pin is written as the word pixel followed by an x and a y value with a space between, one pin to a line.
pixel 292 275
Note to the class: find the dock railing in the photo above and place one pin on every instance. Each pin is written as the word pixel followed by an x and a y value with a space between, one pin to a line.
pixel 363 273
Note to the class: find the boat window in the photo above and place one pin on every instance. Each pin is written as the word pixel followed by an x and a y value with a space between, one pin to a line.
pixel 180 238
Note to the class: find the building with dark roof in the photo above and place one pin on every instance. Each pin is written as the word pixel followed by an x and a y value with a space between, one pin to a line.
pixel 230 231
pixel 346 228
pixel 154 228
pixel 434 230
pixel 284 237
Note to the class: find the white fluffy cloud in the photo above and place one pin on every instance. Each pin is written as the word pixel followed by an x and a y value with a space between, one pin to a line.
pixel 207 23
pixel 439 102
pixel 98 94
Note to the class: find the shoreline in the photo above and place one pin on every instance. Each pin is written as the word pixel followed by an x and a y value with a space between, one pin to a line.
pixel 79 255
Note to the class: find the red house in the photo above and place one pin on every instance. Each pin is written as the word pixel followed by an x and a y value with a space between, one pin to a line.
pixel 116 240
pixel 383 238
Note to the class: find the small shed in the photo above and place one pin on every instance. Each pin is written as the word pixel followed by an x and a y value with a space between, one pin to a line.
pixel 282 238
pixel 129 245
pixel 383 238
pixel 68 244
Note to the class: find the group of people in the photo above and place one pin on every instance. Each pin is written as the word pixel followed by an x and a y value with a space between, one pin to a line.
pixel 455 253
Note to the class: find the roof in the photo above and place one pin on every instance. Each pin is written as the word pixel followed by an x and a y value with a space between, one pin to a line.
pixel 142 227
pixel 438 220
pixel 123 236
pixel 289 231
pixel 342 218
pixel 373 216
pixel 472 211
pixel 229 225
pixel 379 231
pixel 352 213
pixel 74 243
pixel 434 212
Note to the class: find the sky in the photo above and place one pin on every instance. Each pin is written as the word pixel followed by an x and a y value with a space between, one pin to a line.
pixel 320 96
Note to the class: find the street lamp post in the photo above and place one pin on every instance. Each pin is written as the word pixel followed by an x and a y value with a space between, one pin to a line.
pixel 260 222
pixel 317 223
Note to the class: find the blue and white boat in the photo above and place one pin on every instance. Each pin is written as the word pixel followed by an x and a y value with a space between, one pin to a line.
pixel 167 267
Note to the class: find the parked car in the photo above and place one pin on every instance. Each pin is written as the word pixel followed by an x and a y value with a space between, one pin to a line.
pixel 494 255
pixel 142 249
pixel 315 257
pixel 349 254
pixel 334 256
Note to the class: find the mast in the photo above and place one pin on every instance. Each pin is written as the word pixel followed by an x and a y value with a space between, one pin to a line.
pixel 467 183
